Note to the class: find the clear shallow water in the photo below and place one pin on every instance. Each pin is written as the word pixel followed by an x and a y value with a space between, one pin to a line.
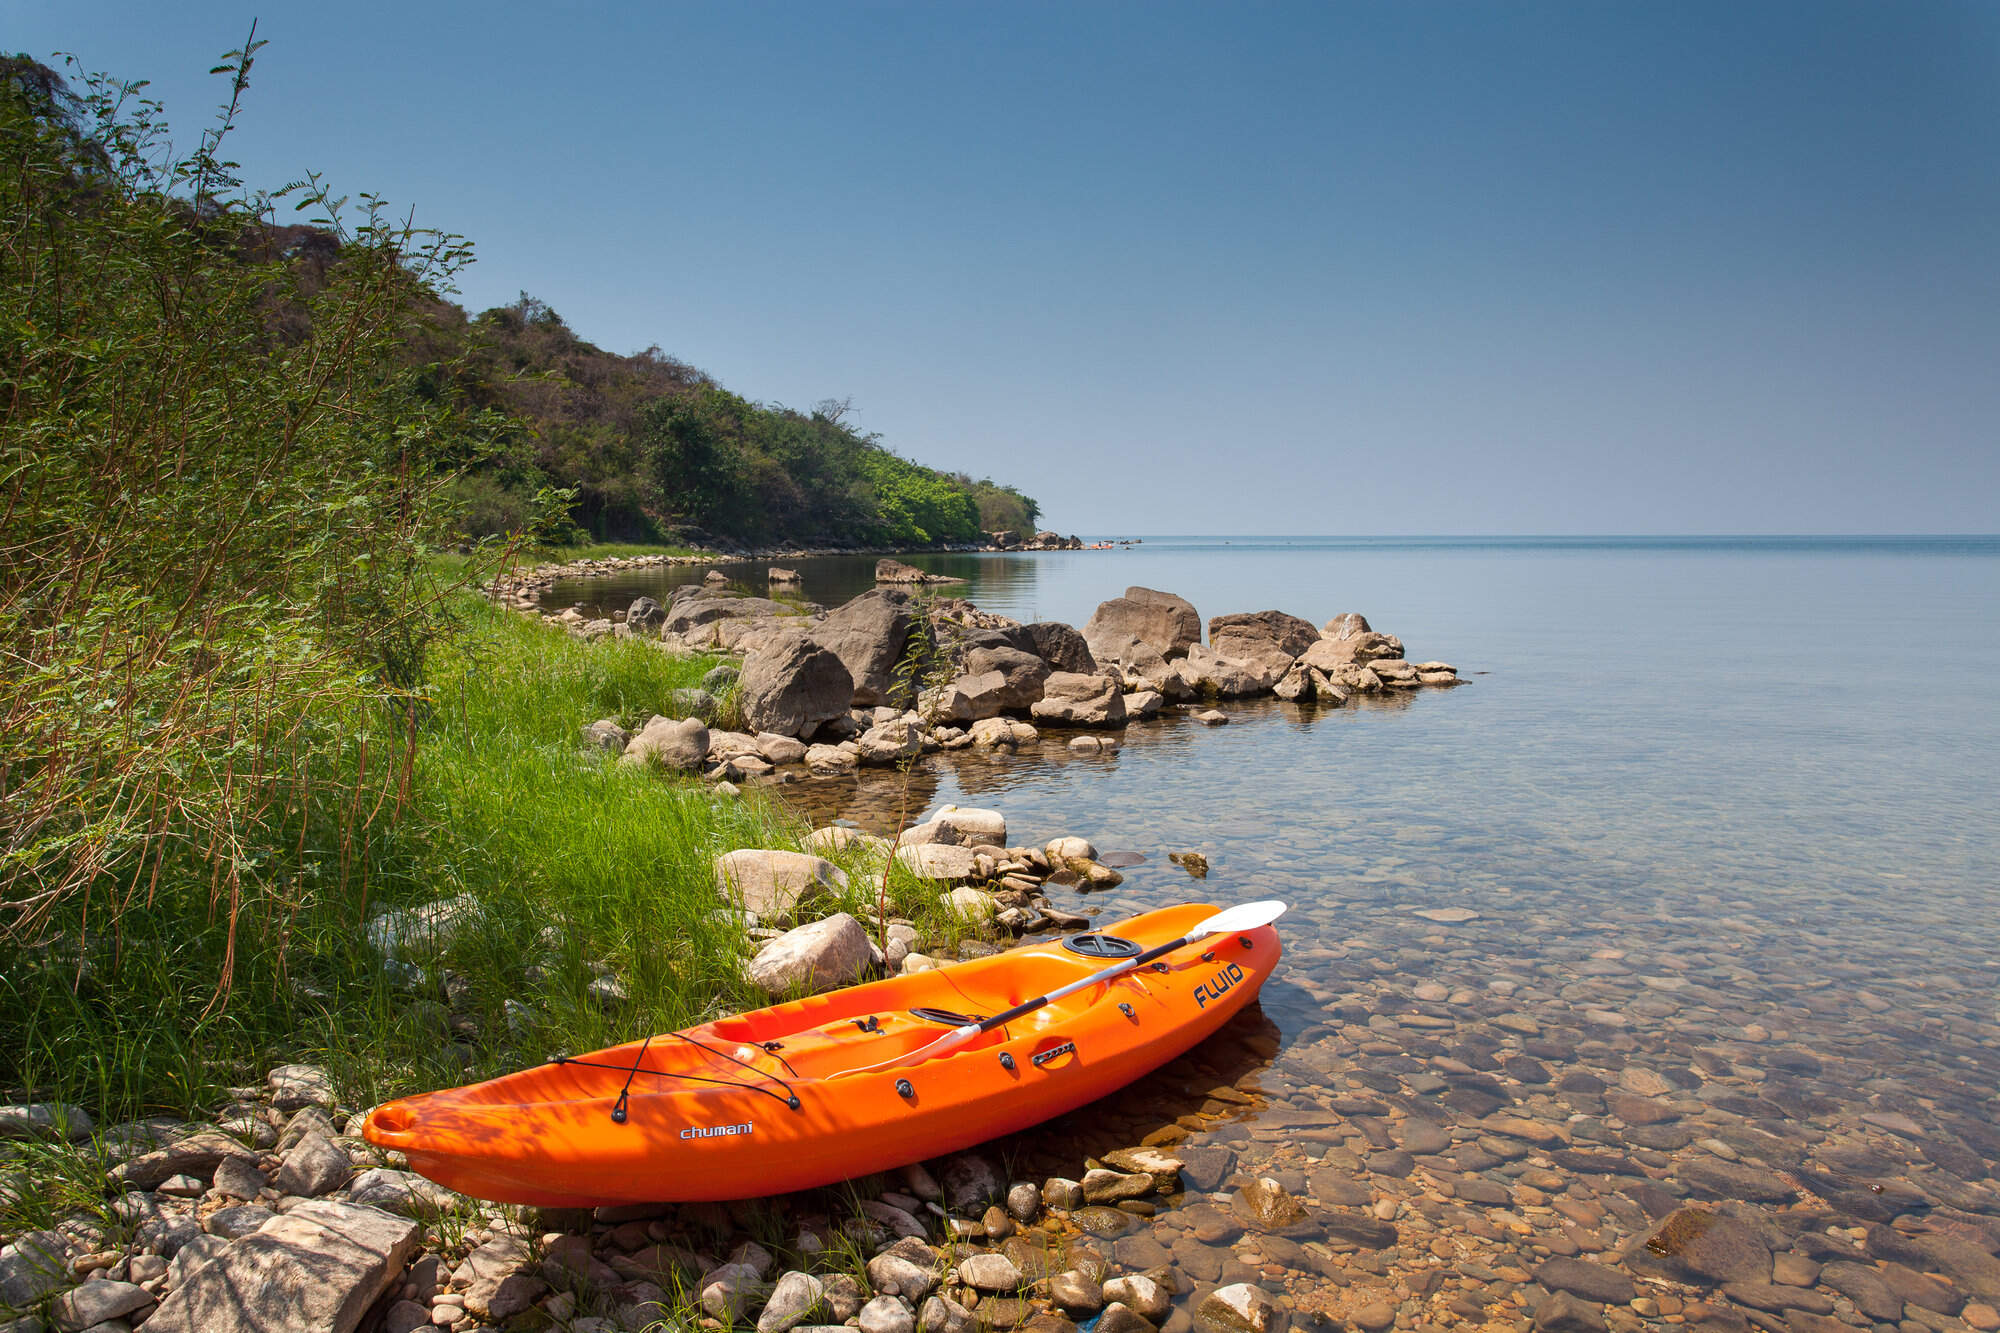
pixel 1724 809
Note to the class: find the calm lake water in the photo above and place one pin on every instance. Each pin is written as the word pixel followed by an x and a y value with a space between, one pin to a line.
pixel 1725 810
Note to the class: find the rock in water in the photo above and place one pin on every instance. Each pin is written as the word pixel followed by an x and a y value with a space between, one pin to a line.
pixel 317 1268
pixel 1164 622
pixel 1080 701
pixel 1261 634
pixel 833 952
pixel 792 685
pixel 1061 647
pixel 869 635
pixel 1240 1308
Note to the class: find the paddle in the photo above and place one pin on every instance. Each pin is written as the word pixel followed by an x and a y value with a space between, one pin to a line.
pixel 1243 916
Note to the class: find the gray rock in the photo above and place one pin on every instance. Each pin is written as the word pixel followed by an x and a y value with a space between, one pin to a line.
pixel 1023 1202
pixel 970 1183
pixel 1240 1308
pixel 902 1276
pixel 605 734
pixel 887 1314
pixel 1563 1313
pixel 315 1166
pixel 797 1297
pixel 645 613
pixel 401 934
pixel 941 1314
pixel 1580 1277
pixel 828 760
pixel 778 749
pixel 1207 1166
pixel 1141 1294
pixel 235 1223
pixel 1102 1186
pixel 679 744
pixel 719 678
pixel 869 634
pixel 406 1317
pixel 318 1267
pixel 1063 1193
pixel 1120 1318
pixel 729 1291
pixel 1081 701
pixel 772 884
pixel 824 954
pixel 45 1120
pixel 990 1272
pixel 941 862
pixel 1261 634
pixel 191 1256
pixel 239 1178
pixel 195 1155
pixel 791 685
pixel 1164 622
pixel 35 1265
pixel 96 1301
pixel 296 1086
pixel 403 1192
pixel 1708 1246
pixel 890 742
pixel 1061 646
pixel 1267 1205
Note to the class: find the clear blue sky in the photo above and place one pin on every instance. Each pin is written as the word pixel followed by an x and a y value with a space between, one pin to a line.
pixel 1690 267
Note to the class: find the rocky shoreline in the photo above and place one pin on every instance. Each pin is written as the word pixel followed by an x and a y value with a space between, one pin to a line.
pixel 521 583
pixel 820 694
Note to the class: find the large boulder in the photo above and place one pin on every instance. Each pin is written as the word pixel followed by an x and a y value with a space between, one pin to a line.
pixel 895 571
pixel 1347 638
pixel 793 685
pixel 1022 673
pixel 1080 701
pixel 890 742
pixel 998 732
pixel 319 1265
pixel 1061 646
pixel 939 861
pixel 1205 671
pixel 869 635
pixel 679 744
pixel 816 956
pixel 1261 636
pixel 771 883
pixel 645 613
pixel 1169 624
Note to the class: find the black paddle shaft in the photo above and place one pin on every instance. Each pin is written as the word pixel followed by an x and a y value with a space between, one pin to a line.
pixel 1027 1007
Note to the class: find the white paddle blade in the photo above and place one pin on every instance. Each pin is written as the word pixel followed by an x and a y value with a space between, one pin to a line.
pixel 1243 916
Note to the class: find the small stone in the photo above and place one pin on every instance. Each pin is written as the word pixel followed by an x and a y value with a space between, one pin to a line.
pixel 1076 1293
pixel 1024 1201
pixel 1446 916
pixel 1563 1313
pixel 796 1297
pixel 990 1272
pixel 1141 1294
pixel 1119 1319
pixel 1059 1192
pixel 1374 1317
pixel 1102 1186
pixel 1981 1316
pixel 1210 717
pixel 1240 1308
pixel 1580 1277
pixel 296 1086
pixel 313 1167
pixel 887 1314
pixel 45 1120
pixel 1266 1204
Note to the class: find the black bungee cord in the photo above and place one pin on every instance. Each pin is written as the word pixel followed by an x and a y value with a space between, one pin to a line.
pixel 620 1109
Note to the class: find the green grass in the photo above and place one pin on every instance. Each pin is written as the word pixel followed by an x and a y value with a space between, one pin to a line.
pixel 580 865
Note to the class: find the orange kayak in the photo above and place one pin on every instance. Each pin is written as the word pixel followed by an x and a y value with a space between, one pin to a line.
pixel 799 1094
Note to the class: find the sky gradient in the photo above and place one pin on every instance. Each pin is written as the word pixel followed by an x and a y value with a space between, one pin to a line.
pixel 1334 268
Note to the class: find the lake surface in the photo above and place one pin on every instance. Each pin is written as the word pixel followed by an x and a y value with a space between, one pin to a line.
pixel 1725 810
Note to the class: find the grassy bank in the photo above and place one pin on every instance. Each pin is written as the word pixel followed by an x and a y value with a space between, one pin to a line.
pixel 580 867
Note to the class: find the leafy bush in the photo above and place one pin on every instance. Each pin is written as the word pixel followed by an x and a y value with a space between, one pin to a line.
pixel 220 485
